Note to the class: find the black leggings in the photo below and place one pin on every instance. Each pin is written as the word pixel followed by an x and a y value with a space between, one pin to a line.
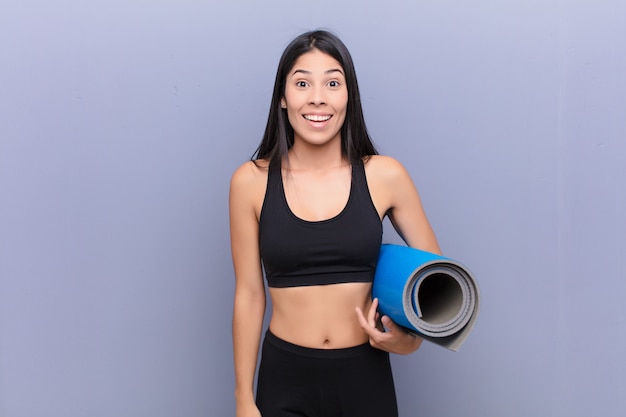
pixel 296 381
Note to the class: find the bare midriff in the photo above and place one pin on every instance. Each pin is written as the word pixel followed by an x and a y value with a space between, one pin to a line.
pixel 320 316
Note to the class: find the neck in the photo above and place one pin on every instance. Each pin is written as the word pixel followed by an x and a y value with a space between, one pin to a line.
pixel 310 157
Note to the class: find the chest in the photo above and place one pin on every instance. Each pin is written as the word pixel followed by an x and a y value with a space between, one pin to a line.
pixel 317 197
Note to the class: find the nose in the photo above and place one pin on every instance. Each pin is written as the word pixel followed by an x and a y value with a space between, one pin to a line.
pixel 317 96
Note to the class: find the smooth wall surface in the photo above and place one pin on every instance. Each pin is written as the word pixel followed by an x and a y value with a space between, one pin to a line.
pixel 121 122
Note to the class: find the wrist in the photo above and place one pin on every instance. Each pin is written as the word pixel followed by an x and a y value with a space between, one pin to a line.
pixel 244 395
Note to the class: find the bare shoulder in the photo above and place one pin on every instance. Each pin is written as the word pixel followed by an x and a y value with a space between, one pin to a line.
pixel 247 186
pixel 394 194
pixel 250 174
pixel 387 181
pixel 385 168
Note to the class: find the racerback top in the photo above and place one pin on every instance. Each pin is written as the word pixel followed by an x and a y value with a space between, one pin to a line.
pixel 297 252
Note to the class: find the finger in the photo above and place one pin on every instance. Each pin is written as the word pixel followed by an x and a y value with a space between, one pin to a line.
pixel 389 324
pixel 395 330
pixel 369 330
pixel 379 323
pixel 362 320
pixel 372 312
pixel 372 328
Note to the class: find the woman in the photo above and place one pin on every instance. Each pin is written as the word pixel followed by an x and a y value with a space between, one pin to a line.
pixel 308 209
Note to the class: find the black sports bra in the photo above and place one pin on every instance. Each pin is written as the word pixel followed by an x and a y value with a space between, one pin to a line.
pixel 297 252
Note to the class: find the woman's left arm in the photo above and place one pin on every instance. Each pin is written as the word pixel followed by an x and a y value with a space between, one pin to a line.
pixel 393 190
pixel 405 210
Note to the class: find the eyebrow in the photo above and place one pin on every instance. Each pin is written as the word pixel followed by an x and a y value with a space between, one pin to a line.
pixel 330 71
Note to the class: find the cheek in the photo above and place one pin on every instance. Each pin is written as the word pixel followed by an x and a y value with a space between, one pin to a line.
pixel 293 106
pixel 342 118
pixel 292 115
pixel 342 102
pixel 343 107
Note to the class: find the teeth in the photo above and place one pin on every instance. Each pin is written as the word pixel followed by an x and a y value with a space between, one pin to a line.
pixel 316 118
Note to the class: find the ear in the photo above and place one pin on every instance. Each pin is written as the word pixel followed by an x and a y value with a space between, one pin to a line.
pixel 283 104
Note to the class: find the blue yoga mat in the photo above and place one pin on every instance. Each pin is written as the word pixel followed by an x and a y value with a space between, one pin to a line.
pixel 428 294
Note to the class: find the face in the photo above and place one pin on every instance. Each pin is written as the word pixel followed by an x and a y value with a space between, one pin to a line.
pixel 316 98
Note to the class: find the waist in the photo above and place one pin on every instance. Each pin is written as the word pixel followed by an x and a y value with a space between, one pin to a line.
pixel 320 316
pixel 336 353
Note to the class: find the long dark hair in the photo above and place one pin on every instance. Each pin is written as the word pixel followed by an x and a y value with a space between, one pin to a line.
pixel 278 137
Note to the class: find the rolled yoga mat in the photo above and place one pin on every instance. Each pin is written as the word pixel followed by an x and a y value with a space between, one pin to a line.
pixel 430 295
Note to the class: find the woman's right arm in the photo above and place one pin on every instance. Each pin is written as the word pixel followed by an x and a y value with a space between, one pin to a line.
pixel 249 303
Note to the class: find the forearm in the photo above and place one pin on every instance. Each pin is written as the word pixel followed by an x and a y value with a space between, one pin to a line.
pixel 248 313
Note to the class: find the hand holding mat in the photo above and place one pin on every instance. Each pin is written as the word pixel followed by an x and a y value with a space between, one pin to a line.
pixel 430 295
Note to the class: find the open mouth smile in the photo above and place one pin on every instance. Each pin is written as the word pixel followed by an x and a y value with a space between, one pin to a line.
pixel 317 117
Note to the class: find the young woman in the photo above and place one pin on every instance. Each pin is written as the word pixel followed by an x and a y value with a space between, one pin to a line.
pixel 308 210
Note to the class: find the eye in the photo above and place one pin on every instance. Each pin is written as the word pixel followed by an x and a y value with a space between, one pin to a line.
pixel 333 83
pixel 301 84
